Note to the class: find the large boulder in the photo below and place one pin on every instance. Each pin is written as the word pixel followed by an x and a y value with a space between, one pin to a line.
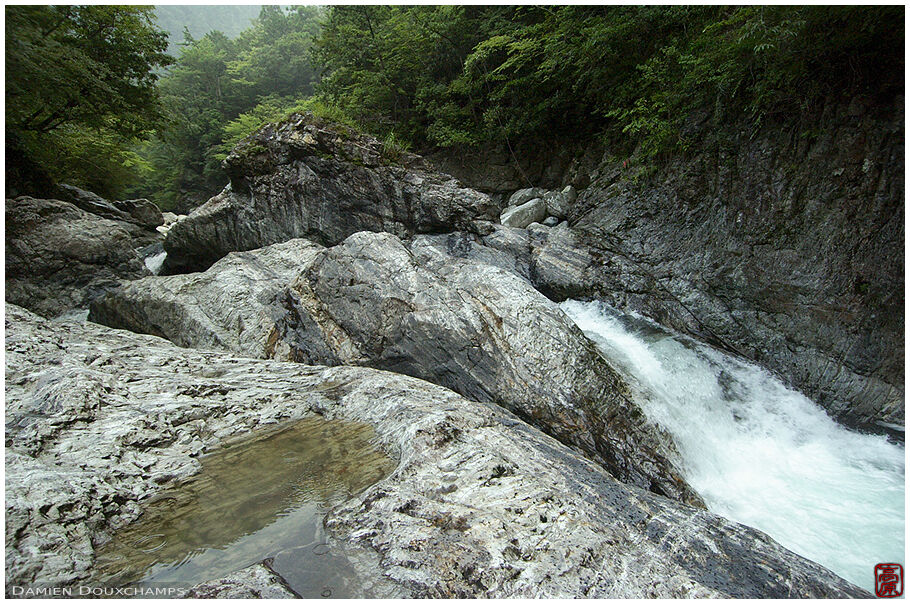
pixel 91 202
pixel 490 336
pixel 473 327
pixel 559 202
pixel 481 504
pixel 523 215
pixel 553 260
pixel 60 257
pixel 237 305
pixel 523 196
pixel 142 211
pixel 304 178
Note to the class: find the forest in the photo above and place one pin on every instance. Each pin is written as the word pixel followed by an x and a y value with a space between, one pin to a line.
pixel 94 96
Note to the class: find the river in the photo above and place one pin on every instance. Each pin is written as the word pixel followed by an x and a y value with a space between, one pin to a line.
pixel 759 452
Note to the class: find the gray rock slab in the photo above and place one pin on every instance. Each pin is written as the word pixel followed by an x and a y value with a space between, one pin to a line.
pixel 60 257
pixel 483 331
pixel 256 582
pixel 523 196
pixel 560 202
pixel 239 304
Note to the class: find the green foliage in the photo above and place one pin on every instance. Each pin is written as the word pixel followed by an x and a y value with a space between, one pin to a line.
pixel 80 80
pixel 88 65
pixel 92 158
pixel 219 91
pixel 270 109
pixel 471 75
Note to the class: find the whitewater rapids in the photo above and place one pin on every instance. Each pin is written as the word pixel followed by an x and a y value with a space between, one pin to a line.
pixel 759 452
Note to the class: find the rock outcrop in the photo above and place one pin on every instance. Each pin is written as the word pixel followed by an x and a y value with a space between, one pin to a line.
pixel 522 215
pixel 473 327
pixel 783 245
pixel 141 212
pixel 60 257
pixel 785 249
pixel 481 504
pixel 301 179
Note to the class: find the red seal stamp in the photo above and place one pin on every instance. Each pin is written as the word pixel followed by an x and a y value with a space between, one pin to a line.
pixel 889 580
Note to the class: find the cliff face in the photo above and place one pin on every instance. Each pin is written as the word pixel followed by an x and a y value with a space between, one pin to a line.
pixel 785 246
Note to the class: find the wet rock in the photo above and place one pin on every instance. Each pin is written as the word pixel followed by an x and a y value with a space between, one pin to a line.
pixel 490 336
pixel 788 252
pixel 59 257
pixel 553 260
pixel 305 178
pixel 235 305
pixel 257 581
pixel 523 215
pixel 559 202
pixel 481 504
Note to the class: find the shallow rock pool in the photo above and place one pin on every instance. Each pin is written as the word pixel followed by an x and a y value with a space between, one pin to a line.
pixel 264 497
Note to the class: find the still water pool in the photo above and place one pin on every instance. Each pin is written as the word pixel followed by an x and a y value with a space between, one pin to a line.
pixel 262 498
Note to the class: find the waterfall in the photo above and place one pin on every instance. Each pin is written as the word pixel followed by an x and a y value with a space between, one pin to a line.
pixel 759 452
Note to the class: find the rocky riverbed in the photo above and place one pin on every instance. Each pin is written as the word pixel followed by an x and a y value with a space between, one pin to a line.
pixel 480 504
pixel 332 279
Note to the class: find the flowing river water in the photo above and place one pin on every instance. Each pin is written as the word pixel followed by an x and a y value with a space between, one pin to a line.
pixel 758 452
pixel 261 498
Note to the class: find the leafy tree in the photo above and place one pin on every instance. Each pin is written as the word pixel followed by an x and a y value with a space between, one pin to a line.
pixel 79 73
pixel 90 65
pixel 217 81
pixel 473 75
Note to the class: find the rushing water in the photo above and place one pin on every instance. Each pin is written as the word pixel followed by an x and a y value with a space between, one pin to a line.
pixel 262 498
pixel 155 262
pixel 758 452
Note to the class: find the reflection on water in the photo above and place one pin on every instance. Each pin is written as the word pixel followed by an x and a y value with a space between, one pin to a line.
pixel 262 498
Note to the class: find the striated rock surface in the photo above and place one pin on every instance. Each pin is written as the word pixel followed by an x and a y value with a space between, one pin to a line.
pixel 560 202
pixel 235 305
pixel 302 179
pixel 141 212
pixel 256 582
pixel 60 257
pixel 473 327
pixel 783 245
pixel 491 337
pixel 481 504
